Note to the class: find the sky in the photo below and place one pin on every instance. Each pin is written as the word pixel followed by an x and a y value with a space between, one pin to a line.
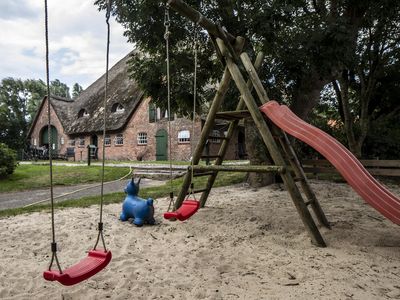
pixel 77 41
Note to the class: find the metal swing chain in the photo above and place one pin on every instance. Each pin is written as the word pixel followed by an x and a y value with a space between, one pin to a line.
pixel 100 225
pixel 195 46
pixel 167 23
pixel 50 140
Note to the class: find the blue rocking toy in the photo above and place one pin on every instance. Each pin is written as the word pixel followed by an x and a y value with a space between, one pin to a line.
pixel 136 208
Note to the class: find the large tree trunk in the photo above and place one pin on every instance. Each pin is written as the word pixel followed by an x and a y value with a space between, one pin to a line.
pixel 258 155
pixel 307 95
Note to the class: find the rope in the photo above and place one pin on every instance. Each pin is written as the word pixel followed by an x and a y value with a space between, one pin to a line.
pixel 167 23
pixel 81 189
pixel 50 140
pixel 195 44
pixel 100 225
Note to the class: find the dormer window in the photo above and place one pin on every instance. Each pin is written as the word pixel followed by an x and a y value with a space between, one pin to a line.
pixel 83 113
pixel 117 108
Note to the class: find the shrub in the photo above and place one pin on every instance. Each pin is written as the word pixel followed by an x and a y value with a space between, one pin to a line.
pixel 8 160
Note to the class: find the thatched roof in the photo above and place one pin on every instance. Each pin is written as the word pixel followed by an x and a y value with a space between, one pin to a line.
pixel 121 90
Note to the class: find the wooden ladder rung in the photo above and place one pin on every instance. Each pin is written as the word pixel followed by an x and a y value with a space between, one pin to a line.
pixel 196 191
pixel 210 156
pixel 307 203
pixel 233 115
pixel 211 137
pixel 203 174
pixel 298 179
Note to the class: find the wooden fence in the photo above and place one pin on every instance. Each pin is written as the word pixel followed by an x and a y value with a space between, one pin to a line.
pixel 375 167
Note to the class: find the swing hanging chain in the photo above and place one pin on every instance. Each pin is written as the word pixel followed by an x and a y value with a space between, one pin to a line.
pixel 50 141
pixel 100 224
pixel 167 23
pixel 195 52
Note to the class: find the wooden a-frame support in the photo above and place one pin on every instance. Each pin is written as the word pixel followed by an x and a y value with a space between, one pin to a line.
pixel 230 49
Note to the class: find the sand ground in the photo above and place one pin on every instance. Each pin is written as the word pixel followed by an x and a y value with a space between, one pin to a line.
pixel 246 244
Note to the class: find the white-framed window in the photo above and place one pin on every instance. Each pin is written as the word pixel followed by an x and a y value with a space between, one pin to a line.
pixel 62 140
pixel 34 142
pixel 215 137
pixel 71 142
pixel 117 108
pixel 81 142
pixel 83 113
pixel 119 139
pixel 184 136
pixel 142 138
pixel 107 140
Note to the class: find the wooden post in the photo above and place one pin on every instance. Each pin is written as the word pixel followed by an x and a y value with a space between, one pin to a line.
pixel 208 125
pixel 232 126
pixel 225 168
pixel 271 144
pixel 185 10
pixel 262 94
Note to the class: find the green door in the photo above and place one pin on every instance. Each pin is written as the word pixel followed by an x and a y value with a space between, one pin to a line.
pixel 54 138
pixel 161 145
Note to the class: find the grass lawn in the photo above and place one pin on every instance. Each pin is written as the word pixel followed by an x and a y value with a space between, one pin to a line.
pixel 27 177
pixel 223 179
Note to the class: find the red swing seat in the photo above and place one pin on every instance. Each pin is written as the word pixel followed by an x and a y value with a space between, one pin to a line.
pixel 86 268
pixel 187 209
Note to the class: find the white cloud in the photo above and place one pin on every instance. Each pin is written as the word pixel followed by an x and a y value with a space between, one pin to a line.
pixel 77 40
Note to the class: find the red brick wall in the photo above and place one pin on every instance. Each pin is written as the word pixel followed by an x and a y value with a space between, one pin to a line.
pixel 131 150
pixel 41 123
pixel 139 122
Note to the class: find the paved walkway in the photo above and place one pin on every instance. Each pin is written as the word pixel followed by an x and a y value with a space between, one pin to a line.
pixel 19 199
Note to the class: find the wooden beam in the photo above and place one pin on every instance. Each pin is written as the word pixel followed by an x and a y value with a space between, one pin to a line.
pixel 208 125
pixel 195 16
pixel 252 168
pixel 271 144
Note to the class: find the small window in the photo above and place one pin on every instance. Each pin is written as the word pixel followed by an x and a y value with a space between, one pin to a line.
pixel 81 142
pixel 35 142
pixel 117 108
pixel 83 113
pixel 62 140
pixel 119 139
pixel 152 113
pixel 107 140
pixel 184 136
pixel 215 137
pixel 142 138
pixel 71 142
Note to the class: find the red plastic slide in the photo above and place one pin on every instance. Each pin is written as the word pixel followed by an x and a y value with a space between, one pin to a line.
pixel 374 193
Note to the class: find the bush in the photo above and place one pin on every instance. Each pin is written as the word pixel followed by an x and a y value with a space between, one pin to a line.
pixel 8 160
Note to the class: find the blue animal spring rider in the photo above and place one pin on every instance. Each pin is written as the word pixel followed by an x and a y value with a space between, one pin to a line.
pixel 97 259
pixel 190 205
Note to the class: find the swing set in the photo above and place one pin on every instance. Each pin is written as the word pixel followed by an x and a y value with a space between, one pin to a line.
pixel 97 259
pixel 272 130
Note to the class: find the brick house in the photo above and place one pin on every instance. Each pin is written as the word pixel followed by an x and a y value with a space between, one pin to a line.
pixel 136 130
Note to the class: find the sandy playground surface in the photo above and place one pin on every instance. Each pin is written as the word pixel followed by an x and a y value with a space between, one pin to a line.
pixel 246 244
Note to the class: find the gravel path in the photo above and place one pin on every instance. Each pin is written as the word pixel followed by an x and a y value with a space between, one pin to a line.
pixel 19 199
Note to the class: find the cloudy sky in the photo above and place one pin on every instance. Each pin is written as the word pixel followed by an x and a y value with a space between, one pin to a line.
pixel 77 38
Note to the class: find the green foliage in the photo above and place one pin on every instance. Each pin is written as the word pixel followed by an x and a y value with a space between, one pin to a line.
pixel 223 179
pixel 19 101
pixel 8 161
pixel 308 44
pixel 383 140
pixel 76 90
pixel 28 177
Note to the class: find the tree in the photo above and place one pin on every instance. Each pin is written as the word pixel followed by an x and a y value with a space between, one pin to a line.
pixel 76 90
pixel 60 89
pixel 357 86
pixel 19 101
pixel 13 101
pixel 308 44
